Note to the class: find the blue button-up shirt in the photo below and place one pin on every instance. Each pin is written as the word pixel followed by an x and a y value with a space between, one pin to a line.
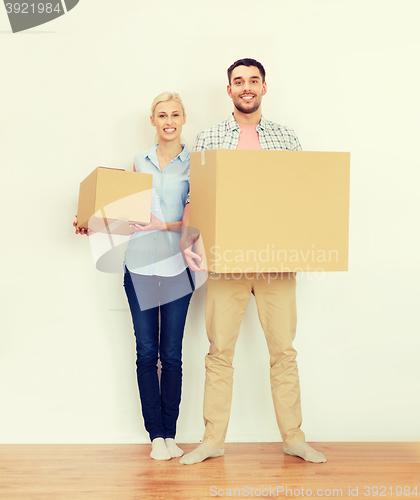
pixel 157 252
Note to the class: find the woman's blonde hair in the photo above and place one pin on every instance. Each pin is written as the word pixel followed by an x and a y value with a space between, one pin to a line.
pixel 167 96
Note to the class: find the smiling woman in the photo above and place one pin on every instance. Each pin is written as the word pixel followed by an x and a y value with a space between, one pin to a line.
pixel 157 283
pixel 168 117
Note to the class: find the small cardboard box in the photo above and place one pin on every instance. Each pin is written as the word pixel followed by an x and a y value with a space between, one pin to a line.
pixel 110 199
pixel 271 211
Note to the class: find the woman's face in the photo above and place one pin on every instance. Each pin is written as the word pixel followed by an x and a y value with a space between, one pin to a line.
pixel 168 120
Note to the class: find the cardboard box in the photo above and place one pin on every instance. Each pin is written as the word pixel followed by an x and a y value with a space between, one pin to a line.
pixel 111 199
pixel 271 211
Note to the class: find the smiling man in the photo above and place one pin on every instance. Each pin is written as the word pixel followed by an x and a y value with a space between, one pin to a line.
pixel 227 295
pixel 246 88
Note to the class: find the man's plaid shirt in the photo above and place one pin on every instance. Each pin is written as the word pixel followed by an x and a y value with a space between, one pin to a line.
pixel 225 135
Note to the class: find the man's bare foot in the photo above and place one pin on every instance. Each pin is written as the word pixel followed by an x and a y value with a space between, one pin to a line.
pixel 202 452
pixel 303 450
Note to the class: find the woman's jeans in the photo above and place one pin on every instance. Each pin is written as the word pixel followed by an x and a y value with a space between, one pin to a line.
pixel 147 296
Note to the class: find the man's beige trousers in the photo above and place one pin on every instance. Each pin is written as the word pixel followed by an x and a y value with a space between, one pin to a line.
pixel 227 296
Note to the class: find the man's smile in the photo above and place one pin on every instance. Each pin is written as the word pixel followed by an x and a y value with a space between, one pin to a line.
pixel 247 97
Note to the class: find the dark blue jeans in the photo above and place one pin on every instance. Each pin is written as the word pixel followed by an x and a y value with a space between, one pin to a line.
pixel 147 297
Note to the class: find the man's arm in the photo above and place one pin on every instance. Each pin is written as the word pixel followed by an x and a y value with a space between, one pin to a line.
pixel 198 146
pixel 200 142
pixel 187 242
pixel 296 143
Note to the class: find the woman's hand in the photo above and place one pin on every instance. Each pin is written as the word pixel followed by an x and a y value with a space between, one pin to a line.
pixel 155 224
pixel 81 230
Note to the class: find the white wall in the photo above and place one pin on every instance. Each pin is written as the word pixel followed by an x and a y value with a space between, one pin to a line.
pixel 75 94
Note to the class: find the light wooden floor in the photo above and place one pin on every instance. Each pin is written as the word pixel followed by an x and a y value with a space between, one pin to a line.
pixel 126 472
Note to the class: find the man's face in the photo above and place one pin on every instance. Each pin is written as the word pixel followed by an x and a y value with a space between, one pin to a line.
pixel 246 88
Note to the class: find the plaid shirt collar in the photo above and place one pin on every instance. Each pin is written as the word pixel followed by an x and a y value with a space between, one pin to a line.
pixel 232 124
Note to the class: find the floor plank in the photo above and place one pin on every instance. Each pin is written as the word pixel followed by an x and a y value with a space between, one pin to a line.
pixel 126 472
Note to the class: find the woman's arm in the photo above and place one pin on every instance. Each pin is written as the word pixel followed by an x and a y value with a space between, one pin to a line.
pixel 156 224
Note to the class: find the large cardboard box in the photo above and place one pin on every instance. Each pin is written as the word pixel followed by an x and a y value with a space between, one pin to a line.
pixel 110 199
pixel 271 211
